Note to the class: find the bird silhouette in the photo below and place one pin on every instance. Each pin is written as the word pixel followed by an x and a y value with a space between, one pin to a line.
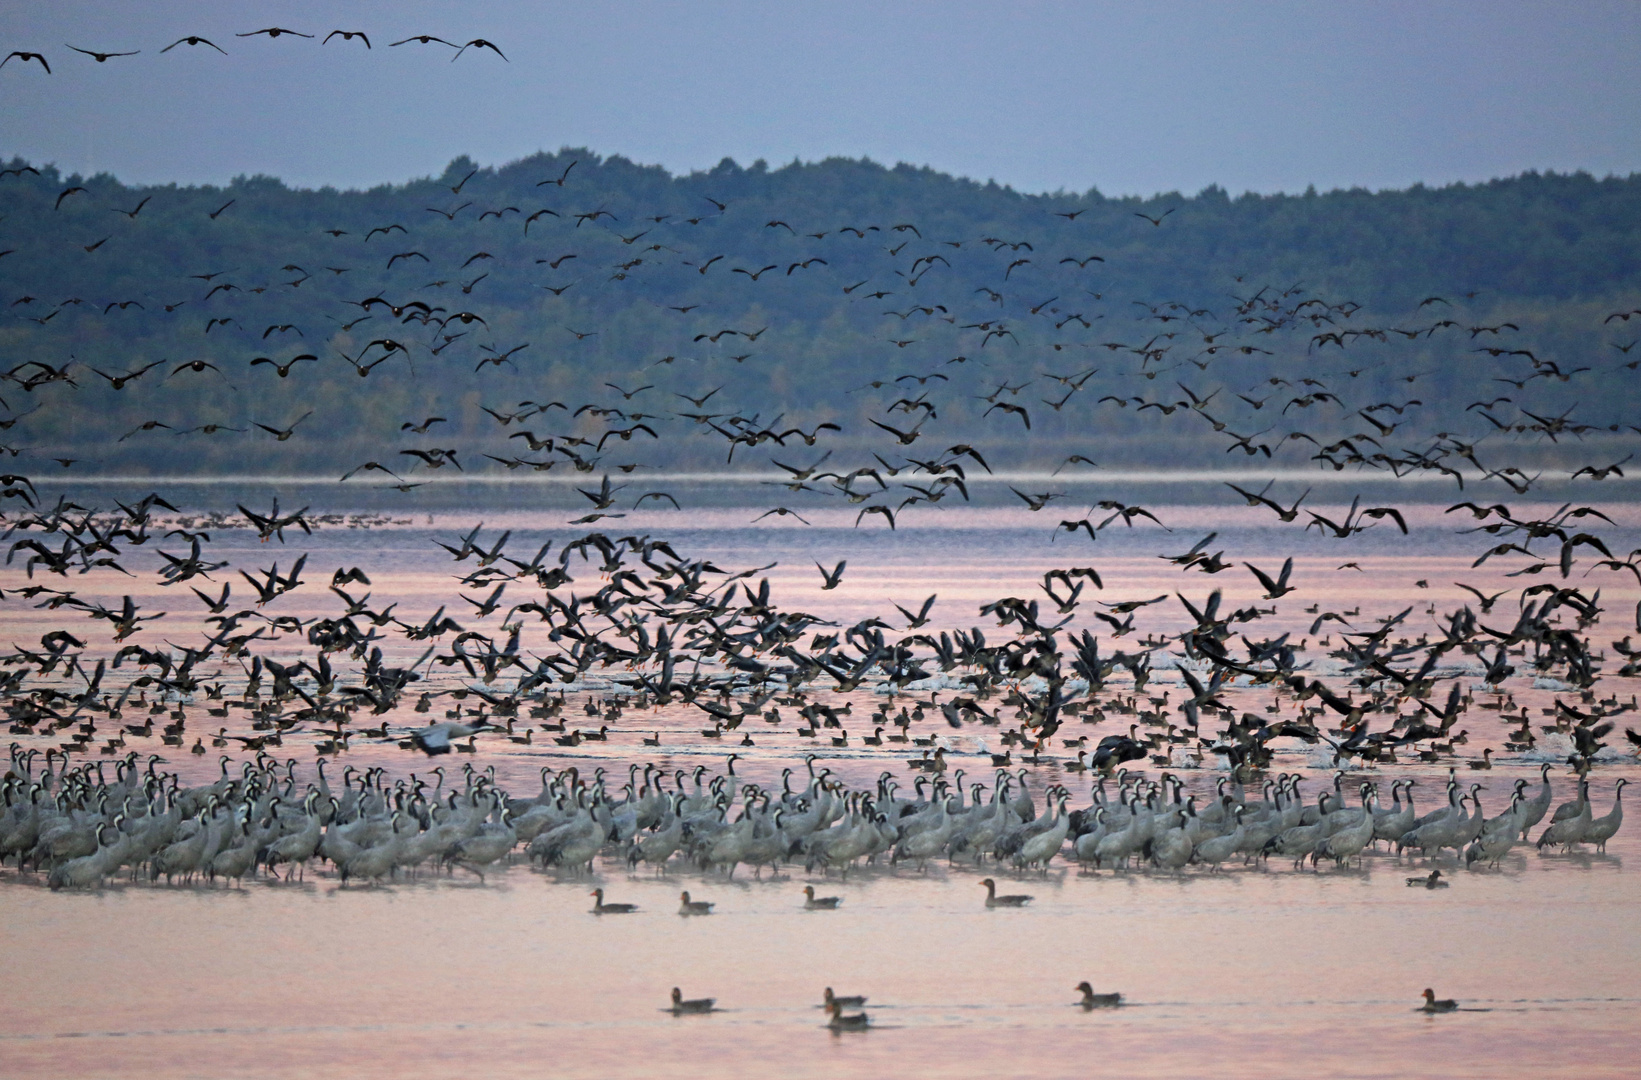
pixel 193 39
pixel 25 57
pixel 100 57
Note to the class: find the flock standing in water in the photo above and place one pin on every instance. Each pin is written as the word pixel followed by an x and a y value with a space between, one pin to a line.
pixel 79 828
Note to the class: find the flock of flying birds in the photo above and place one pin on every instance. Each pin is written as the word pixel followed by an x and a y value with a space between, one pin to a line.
pixel 638 626
pixel 271 32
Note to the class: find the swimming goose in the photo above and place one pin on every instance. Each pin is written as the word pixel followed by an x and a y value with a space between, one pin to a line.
pixel 601 908
pixel 993 900
pixel 812 902
pixel 681 1007
pixel 686 906
pixel 1091 1000
pixel 841 1021
pixel 1432 1005
pixel 1433 880
pixel 852 1001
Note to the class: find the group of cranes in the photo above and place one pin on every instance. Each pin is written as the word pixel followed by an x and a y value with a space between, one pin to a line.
pixel 80 827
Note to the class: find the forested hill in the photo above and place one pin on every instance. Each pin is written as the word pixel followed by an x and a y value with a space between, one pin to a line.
pixel 694 312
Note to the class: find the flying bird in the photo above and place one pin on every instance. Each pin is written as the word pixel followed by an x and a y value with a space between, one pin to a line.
pixel 25 57
pixel 100 57
pixel 193 39
pixel 477 43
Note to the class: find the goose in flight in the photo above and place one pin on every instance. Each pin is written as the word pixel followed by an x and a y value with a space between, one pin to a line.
pixel 191 39
pixel 424 39
pixel 25 57
pixel 476 43
pixel 436 738
pixel 100 57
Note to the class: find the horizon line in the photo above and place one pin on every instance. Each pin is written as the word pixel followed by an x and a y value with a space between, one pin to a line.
pixel 1092 191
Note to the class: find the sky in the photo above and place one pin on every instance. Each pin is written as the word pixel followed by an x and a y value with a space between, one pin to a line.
pixel 1127 98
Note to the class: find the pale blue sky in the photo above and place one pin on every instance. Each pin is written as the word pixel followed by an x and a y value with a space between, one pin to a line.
pixel 1131 98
